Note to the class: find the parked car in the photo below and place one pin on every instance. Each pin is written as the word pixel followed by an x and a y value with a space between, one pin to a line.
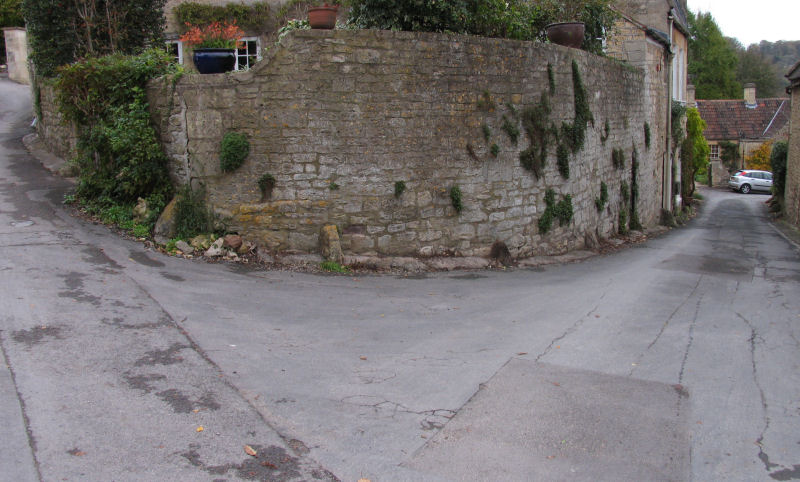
pixel 747 180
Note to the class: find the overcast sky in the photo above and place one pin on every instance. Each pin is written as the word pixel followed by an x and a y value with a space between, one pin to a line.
pixel 753 21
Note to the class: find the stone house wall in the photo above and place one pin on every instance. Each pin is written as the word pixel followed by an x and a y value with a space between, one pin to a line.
pixel 16 39
pixel 792 193
pixel 339 117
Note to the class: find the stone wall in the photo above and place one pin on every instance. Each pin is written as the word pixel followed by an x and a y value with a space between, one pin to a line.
pixel 632 45
pixel 338 117
pixel 60 138
pixel 792 193
pixel 16 39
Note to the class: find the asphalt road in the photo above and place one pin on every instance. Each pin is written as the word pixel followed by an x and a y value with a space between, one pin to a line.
pixel 676 359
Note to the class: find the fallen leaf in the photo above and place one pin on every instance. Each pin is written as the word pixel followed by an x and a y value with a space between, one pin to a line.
pixel 558 346
pixel 363 480
pixel 196 410
pixel 551 457
pixel 267 464
pixel 200 428
pixel 362 357
pixel 522 353
pixel 249 451
pixel 556 384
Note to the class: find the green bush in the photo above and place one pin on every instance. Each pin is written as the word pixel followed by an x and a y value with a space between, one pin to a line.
pixel 90 90
pixel 191 215
pixel 411 15
pixel 59 33
pixel 399 188
pixel 120 159
pixel 234 149
pixel 600 202
pixel 562 211
pixel 455 199
pixel 777 159
pixel 511 129
pixel 513 19
pixel 562 157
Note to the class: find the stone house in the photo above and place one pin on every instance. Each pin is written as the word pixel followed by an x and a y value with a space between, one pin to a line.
pixel 792 193
pixel 747 123
pixel 253 43
pixel 653 35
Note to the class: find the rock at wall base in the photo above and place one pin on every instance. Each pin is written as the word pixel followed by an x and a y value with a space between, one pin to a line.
pixel 330 246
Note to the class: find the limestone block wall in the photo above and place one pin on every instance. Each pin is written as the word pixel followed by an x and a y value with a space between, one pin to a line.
pixel 339 117
pixel 16 39
pixel 60 137
pixel 792 193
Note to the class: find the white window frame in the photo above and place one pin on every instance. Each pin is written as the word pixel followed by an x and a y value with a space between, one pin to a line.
pixel 247 54
pixel 169 43
pixel 714 152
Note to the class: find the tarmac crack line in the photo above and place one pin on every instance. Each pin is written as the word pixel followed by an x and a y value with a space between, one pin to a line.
pixel 754 337
pixel 572 329
pixel 664 327
pixel 689 344
pixel 26 420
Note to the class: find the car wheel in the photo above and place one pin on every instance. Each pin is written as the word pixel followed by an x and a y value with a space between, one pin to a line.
pixel 745 188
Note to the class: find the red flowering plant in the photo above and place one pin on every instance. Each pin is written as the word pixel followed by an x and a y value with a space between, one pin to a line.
pixel 215 35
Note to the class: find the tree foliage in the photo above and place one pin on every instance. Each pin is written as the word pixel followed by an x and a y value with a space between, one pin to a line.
pixel 119 155
pixel 10 16
pixel 777 160
pixel 62 32
pixel 760 159
pixel 694 151
pixel 712 60
pixel 754 67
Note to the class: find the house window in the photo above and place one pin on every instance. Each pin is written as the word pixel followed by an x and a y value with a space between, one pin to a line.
pixel 714 152
pixel 248 54
pixel 175 49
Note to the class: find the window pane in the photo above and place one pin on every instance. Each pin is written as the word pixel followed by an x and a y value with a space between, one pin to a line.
pixel 247 55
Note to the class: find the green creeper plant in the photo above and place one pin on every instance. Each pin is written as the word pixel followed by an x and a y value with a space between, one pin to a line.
pixel 234 149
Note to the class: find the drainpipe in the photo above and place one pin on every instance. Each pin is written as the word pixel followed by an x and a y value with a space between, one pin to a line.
pixel 668 164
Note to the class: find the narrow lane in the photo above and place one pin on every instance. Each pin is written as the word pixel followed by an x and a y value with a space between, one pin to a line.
pixel 99 383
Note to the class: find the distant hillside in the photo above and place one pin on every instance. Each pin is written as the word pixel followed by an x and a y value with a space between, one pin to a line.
pixel 782 54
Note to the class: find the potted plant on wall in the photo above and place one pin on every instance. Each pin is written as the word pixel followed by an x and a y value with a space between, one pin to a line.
pixel 323 16
pixel 213 46
pixel 567 28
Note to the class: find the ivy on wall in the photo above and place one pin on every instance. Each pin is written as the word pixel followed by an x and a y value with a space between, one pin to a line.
pixel 561 210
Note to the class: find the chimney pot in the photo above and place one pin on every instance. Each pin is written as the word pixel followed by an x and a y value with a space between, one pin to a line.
pixel 750 95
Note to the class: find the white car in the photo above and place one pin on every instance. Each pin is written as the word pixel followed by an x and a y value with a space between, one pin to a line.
pixel 748 180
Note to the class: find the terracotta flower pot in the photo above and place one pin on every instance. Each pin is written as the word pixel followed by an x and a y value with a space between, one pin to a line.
pixel 214 61
pixel 322 17
pixel 568 34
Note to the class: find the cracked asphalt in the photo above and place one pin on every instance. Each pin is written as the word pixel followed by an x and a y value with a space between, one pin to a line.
pixel 676 359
